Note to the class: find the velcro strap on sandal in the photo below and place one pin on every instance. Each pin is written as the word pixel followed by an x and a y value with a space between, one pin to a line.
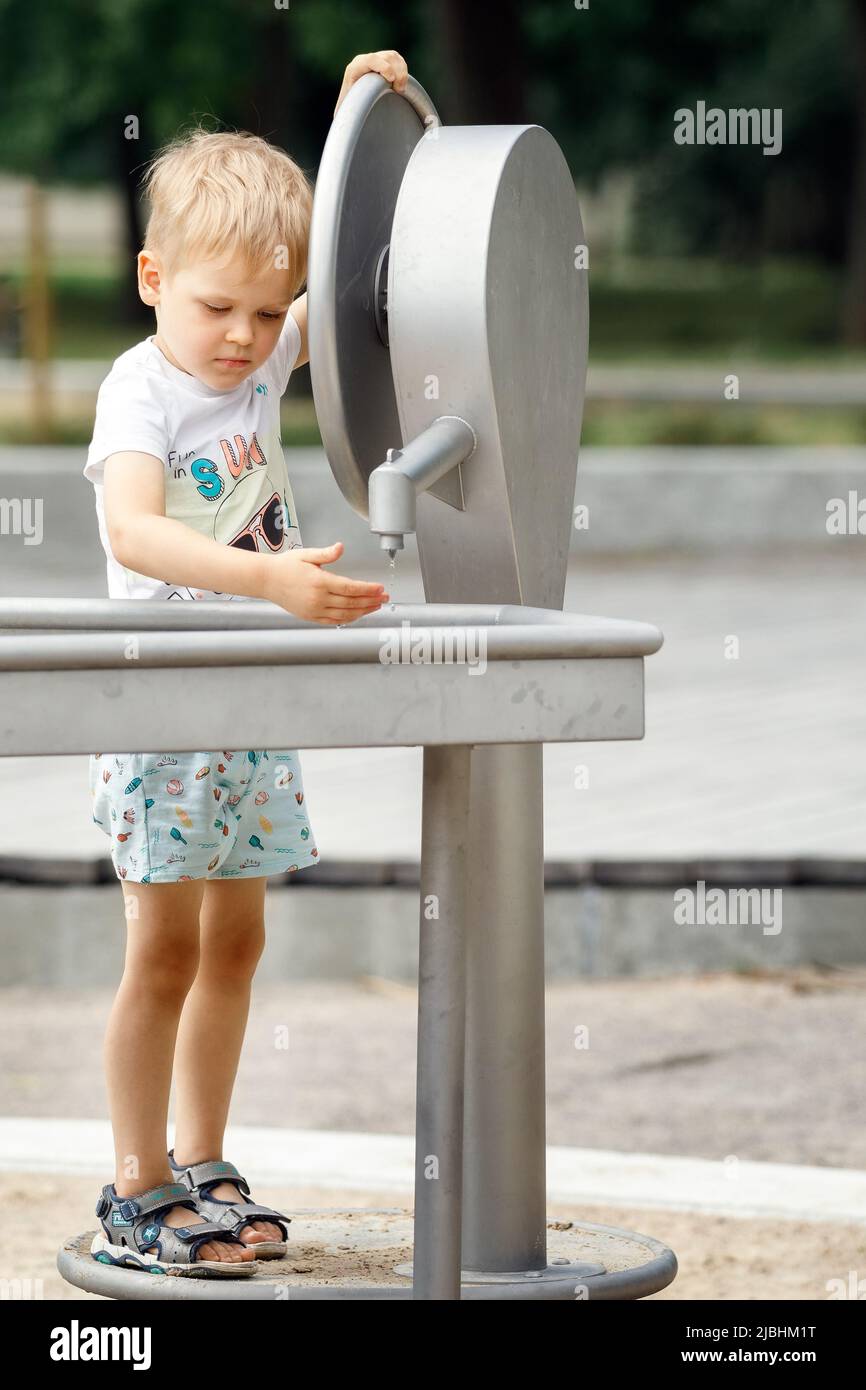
pixel 243 1213
pixel 254 1211
pixel 195 1236
pixel 171 1194
pixel 205 1228
pixel 214 1170
pixel 203 1176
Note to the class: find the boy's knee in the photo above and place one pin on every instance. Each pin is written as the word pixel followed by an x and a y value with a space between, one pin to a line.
pixel 235 954
pixel 166 973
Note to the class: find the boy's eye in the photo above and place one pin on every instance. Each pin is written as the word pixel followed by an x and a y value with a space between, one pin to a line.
pixel 223 309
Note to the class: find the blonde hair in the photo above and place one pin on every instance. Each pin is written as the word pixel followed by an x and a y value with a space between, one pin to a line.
pixel 215 194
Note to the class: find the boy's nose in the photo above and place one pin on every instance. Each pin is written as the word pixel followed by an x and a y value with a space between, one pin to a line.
pixel 240 335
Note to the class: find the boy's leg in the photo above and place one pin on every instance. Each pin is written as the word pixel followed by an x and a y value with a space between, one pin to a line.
pixel 162 953
pixel 213 1024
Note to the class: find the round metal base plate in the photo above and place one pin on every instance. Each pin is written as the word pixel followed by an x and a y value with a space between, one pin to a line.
pixel 366 1254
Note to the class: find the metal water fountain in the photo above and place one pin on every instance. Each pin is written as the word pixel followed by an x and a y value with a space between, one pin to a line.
pixel 448 322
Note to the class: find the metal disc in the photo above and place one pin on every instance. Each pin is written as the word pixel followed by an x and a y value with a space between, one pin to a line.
pixel 369 145
pixel 341 1254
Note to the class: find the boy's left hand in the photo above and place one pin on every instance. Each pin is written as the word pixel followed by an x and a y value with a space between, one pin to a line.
pixel 390 64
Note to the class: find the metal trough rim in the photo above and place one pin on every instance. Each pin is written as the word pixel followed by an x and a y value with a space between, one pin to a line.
pixel 255 634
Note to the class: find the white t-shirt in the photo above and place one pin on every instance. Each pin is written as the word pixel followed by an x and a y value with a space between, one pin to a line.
pixel 225 474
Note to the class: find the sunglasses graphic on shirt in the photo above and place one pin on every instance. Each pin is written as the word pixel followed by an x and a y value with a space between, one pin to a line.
pixel 267 523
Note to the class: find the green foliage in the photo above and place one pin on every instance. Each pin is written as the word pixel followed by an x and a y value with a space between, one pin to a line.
pixel 629 425
pixel 607 81
pixel 776 309
pixel 640 312
pixel 71 71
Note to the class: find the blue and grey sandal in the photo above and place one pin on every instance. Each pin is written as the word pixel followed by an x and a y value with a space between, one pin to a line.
pixel 131 1228
pixel 200 1178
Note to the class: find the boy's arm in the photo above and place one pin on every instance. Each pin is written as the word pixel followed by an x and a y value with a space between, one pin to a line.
pixel 298 311
pixel 144 539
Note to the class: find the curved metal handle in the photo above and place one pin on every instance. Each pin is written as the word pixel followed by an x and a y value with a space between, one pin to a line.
pixel 417 98
pixel 371 139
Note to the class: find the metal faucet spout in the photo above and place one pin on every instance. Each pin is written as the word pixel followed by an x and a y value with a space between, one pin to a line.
pixel 395 484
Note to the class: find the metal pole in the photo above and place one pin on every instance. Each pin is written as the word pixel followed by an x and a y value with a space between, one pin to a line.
pixel 441 1019
pixel 38 314
pixel 504 1173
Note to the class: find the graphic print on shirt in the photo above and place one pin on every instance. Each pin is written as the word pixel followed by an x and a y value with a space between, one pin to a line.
pixel 148 405
pixel 247 496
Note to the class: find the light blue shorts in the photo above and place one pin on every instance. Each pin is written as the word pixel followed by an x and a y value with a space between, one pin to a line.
pixel 177 816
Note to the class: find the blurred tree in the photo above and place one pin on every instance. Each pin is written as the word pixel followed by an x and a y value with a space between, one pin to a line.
pixel 612 76
pixel 855 299
pixel 482 82
pixel 72 73
pixel 605 80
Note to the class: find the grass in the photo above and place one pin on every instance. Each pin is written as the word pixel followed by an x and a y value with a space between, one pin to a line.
pixel 297 420
pixel 705 310
pixel 614 425
pixel 697 312
pixel 651 310
pixel 632 425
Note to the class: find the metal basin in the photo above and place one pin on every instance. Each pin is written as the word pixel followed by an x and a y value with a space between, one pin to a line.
pixel 215 673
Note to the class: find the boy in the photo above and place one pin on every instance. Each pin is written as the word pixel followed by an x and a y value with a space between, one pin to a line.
pixel 193 502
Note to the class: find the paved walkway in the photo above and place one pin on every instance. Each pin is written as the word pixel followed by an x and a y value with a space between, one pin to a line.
pixel 717 1067
pixel 333 1161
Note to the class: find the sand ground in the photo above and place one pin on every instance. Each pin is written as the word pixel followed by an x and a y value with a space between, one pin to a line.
pixel 764 1066
pixel 719 1258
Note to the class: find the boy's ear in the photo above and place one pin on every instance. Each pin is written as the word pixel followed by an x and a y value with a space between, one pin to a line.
pixel 149 278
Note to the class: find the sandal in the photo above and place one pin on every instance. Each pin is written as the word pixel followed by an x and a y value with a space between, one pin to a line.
pixel 131 1226
pixel 200 1178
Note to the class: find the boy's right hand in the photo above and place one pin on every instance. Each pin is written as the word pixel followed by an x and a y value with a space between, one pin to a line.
pixel 295 581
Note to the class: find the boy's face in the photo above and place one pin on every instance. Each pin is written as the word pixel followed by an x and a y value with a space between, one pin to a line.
pixel 213 321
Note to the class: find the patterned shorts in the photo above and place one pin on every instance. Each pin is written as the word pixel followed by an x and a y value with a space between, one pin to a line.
pixel 177 816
